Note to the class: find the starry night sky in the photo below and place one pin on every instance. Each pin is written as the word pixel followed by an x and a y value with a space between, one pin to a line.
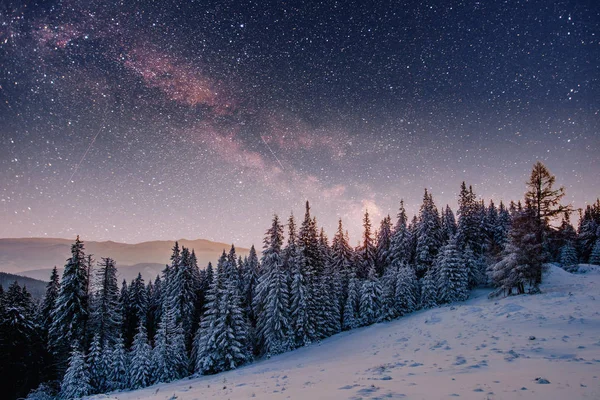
pixel 131 121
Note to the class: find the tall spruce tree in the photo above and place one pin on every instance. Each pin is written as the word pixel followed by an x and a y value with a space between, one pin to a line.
pixel 351 318
pixel 453 276
pixel 71 309
pixel 140 368
pixel 76 381
pixel 407 290
pixel 367 251
pixel 105 316
pixel 401 242
pixel 272 290
pixel 382 252
pixel 428 231
pixel 370 299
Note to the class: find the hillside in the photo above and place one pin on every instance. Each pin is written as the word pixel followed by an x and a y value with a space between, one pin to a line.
pixel 36 287
pixel 35 257
pixel 480 349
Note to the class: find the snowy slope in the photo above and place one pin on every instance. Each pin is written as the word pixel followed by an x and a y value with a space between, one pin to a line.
pixel 480 349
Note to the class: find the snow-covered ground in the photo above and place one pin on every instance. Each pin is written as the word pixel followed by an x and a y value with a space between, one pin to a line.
pixel 480 349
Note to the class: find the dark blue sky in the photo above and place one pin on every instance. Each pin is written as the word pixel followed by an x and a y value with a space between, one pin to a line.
pixel 133 121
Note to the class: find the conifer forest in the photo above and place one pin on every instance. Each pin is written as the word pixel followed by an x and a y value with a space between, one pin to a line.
pixel 93 334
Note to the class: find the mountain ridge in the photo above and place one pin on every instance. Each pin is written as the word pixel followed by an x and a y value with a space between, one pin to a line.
pixel 35 257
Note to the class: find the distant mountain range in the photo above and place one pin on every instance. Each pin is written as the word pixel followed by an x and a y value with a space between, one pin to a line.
pixel 37 288
pixel 35 257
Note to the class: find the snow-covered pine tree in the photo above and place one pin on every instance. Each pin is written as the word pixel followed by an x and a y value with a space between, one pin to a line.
pixel 21 349
pixel 97 368
pixel 76 381
pixel 273 320
pixel 250 280
pixel 407 290
pixel 302 328
pixel 162 368
pixel 568 255
pixel 351 317
pixel 389 282
pixel 452 276
pixel 587 231
pixel 370 299
pixel 448 224
pixel 222 342
pixel 522 256
pixel 401 241
pixel 154 308
pixel 183 295
pixel 205 357
pixel 231 341
pixel 468 228
pixel 429 289
pixel 428 232
pixel 367 251
pixel 332 296
pixel 105 316
pixel 135 309
pixel 341 259
pixel 118 366
pixel 382 251
pixel 595 254
pixel 49 302
pixel 312 268
pixel 140 367
pixel 71 310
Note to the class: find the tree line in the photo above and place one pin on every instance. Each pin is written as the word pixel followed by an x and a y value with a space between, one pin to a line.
pixel 90 335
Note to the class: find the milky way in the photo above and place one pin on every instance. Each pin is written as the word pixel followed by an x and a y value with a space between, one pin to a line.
pixel 131 121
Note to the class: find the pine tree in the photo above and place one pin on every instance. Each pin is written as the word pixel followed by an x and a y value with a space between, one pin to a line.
pixel 97 368
pixel 221 342
pixel 154 307
pixel 382 252
pixel 21 349
pixel 47 307
pixel 401 242
pixel 389 282
pixel 367 251
pixel 341 256
pixel 312 266
pixel 117 374
pixel 429 289
pixel 301 324
pixel 595 255
pixel 71 308
pixel 469 223
pixel 448 224
pixel 163 370
pixel 452 276
pixel 587 230
pixel 250 279
pixel 428 232
pixel 407 290
pixel 568 255
pixel 273 320
pixel 140 369
pixel 183 294
pixel 135 309
pixel 521 260
pixel 105 316
pixel 351 318
pixel 370 299
pixel 76 381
